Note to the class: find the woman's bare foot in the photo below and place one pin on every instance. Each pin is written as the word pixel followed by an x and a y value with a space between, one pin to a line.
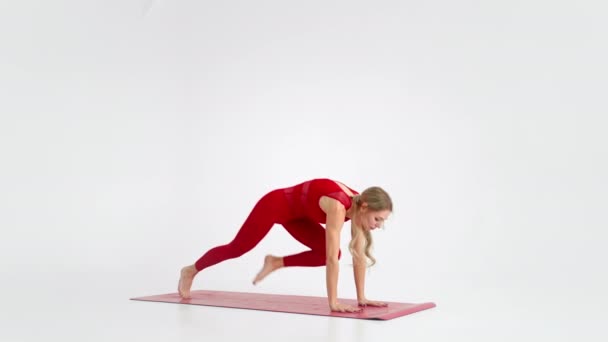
pixel 271 263
pixel 185 281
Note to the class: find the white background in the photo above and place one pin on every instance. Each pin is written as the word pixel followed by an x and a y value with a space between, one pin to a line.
pixel 135 135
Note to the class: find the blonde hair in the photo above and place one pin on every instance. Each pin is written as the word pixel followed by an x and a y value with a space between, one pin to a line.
pixel 377 200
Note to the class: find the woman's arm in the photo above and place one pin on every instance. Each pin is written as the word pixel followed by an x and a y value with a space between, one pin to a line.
pixel 335 213
pixel 359 265
pixel 359 268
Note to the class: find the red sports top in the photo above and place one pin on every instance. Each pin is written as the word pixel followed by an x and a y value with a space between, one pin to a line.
pixel 304 198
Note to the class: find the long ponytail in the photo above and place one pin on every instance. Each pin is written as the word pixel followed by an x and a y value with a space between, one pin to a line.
pixel 377 199
pixel 357 234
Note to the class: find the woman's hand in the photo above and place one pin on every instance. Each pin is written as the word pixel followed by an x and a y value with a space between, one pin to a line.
pixel 344 308
pixel 367 302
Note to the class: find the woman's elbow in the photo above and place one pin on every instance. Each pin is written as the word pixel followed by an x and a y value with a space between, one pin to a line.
pixel 332 260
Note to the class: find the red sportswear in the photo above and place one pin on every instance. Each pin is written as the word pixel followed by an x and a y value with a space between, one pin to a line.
pixel 297 209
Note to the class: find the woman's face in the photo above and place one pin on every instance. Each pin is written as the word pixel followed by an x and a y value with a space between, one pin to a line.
pixel 370 220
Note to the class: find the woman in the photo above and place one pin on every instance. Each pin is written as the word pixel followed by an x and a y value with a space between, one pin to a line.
pixel 301 209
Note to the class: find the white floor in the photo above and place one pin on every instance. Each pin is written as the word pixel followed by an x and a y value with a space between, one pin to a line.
pixel 91 305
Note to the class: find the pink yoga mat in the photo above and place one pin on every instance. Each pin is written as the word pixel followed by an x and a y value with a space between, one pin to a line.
pixel 287 303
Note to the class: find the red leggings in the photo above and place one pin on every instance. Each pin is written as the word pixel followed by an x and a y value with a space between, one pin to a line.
pixel 271 209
